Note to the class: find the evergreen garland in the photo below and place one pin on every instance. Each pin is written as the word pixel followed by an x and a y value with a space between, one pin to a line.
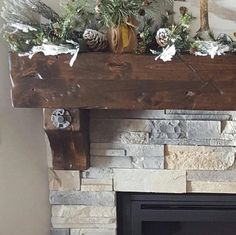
pixel 115 12
pixel 180 35
pixel 31 26
pixel 77 15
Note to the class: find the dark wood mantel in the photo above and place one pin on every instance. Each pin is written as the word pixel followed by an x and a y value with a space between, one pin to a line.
pixel 108 81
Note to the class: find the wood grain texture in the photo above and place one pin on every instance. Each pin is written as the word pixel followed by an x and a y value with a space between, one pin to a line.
pixel 69 147
pixel 107 81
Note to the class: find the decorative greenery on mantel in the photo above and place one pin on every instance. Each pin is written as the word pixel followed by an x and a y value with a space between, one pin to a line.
pixel 122 26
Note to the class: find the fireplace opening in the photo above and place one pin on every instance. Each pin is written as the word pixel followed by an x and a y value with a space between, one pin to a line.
pixel 175 214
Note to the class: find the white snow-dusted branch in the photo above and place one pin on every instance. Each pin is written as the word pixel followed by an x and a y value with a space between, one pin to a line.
pixel 211 48
pixel 53 50
pixel 22 27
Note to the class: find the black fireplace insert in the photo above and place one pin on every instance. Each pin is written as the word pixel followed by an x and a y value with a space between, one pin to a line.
pixel 176 214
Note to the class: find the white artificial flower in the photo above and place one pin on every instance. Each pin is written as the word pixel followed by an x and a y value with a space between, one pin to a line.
pixel 167 54
pixel 213 51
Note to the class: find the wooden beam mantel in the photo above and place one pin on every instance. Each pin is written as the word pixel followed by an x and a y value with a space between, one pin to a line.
pixel 108 81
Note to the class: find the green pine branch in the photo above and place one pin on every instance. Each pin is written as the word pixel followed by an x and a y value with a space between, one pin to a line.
pixel 115 12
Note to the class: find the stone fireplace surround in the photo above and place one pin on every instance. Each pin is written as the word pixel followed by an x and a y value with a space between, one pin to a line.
pixel 166 151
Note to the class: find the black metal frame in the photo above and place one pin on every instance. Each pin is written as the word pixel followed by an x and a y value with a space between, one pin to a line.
pixel 134 208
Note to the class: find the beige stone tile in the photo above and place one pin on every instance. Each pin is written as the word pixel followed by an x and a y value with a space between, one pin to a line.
pixel 64 180
pixel 198 158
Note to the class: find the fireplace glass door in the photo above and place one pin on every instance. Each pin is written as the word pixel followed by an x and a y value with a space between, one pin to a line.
pixel 165 214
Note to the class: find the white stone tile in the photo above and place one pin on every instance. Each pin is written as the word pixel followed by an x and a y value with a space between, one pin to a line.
pixel 86 181
pixel 83 217
pixel 97 188
pixel 211 187
pixel 93 232
pixel 85 226
pixel 83 220
pixel 159 181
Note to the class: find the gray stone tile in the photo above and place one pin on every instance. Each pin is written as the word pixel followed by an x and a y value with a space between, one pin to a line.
pixel 108 152
pixel 203 129
pixel 119 137
pixel 211 187
pixel 198 117
pixel 120 125
pixel 60 231
pixel 172 129
pixel 229 127
pixel 103 149
pixel 82 198
pixel 97 173
pixel 212 176
pixel 127 114
pixel 138 162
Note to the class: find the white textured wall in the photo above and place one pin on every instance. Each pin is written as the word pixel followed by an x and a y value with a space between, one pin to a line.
pixel 24 207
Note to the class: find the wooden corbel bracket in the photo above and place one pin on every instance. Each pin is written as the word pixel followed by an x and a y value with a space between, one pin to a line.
pixel 68 134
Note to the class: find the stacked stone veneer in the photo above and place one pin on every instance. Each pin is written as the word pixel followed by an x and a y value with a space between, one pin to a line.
pixel 143 151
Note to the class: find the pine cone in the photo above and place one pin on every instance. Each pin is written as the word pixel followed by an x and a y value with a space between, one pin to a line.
pixel 162 37
pixel 95 40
